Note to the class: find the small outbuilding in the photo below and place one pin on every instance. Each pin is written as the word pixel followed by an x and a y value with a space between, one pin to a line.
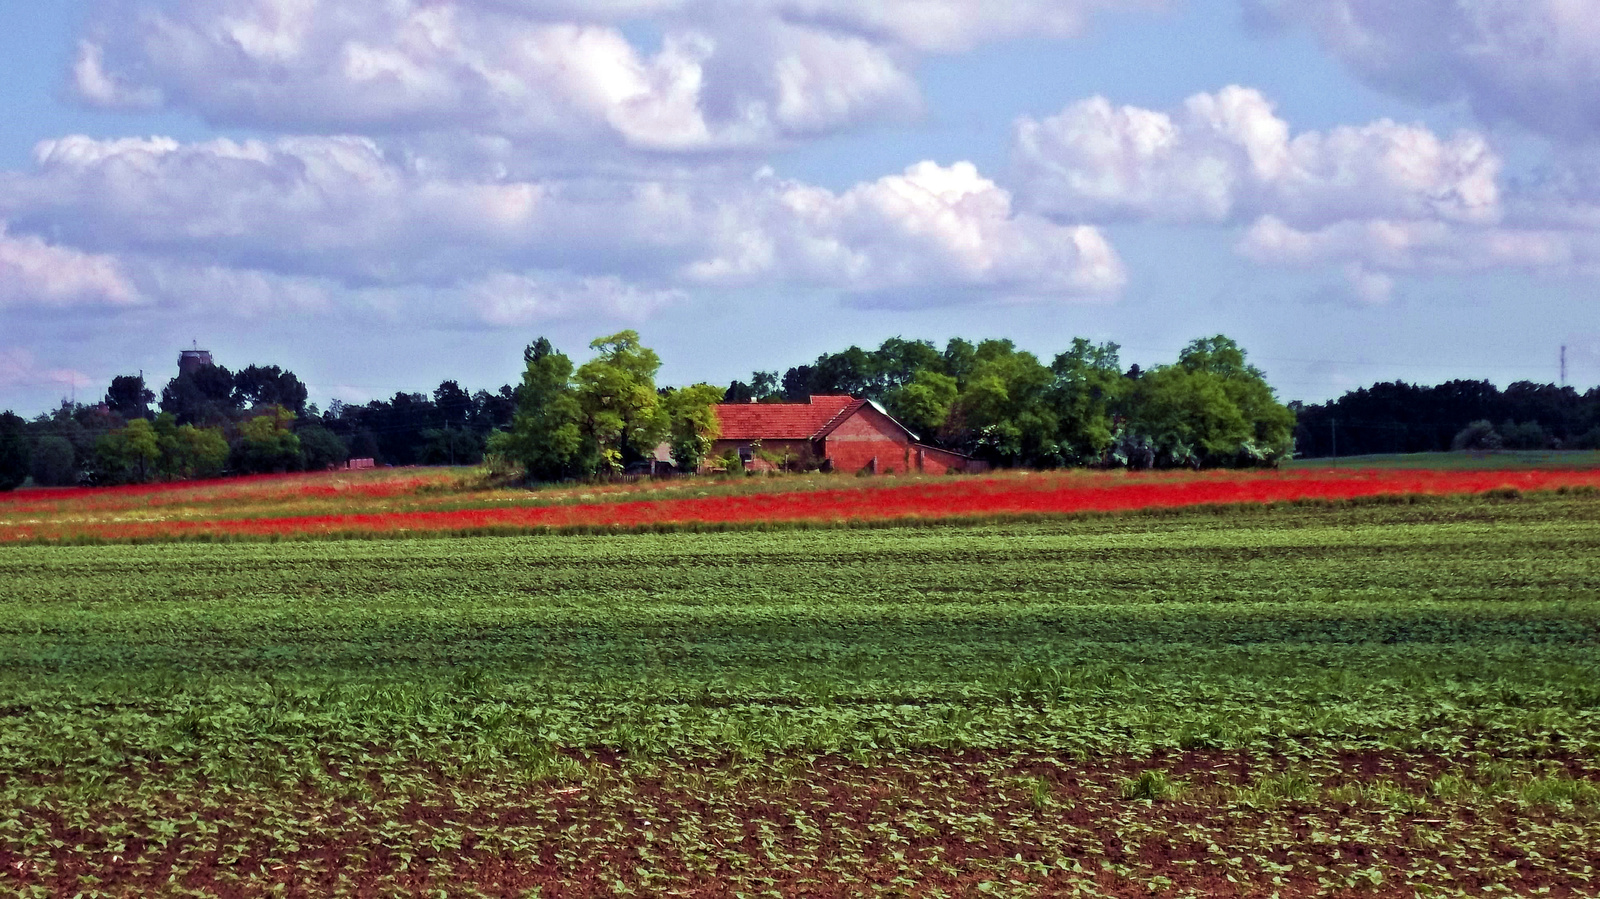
pixel 833 432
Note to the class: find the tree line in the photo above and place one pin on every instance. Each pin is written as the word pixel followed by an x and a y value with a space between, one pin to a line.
pixel 988 399
pixel 1396 417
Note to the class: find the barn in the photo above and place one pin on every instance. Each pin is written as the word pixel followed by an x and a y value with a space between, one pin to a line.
pixel 834 432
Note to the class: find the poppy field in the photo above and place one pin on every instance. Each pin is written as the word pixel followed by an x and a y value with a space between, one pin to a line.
pixel 1386 692
pixel 420 502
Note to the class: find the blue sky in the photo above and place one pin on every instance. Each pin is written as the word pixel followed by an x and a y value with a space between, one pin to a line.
pixel 382 196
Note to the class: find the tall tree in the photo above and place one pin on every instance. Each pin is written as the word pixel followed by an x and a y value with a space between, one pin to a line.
pixel 693 423
pixel 203 396
pixel 1088 385
pixel 129 397
pixel 546 436
pixel 622 411
pixel 269 385
pixel 1211 408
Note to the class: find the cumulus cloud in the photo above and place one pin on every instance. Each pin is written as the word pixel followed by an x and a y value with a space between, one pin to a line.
pixel 931 228
pixel 1535 62
pixel 347 210
pixel 725 75
pixel 1227 157
pixel 36 273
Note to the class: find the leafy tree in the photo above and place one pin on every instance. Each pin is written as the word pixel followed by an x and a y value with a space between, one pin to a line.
pixel 1088 386
pixel 923 404
pixel 454 405
pixel 129 397
pixel 320 448
pixel 622 414
pixel 451 446
pixel 796 384
pixel 128 454
pixel 15 456
pixel 960 356
pixel 1210 408
pixel 196 452
pixel 693 423
pixel 54 462
pixel 267 443
pixel 268 385
pixel 1004 413
pixel 763 387
pixel 203 396
pixel 546 435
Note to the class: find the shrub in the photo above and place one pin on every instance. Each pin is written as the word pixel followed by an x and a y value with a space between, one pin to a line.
pixel 1480 435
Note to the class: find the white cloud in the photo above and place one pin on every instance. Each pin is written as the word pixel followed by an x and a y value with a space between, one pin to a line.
pixel 36 273
pixel 932 229
pixel 505 299
pixel 726 75
pixel 348 212
pixel 1227 157
pixel 1421 246
pixel 1536 62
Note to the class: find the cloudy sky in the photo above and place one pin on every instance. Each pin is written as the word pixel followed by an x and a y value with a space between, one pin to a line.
pixel 380 194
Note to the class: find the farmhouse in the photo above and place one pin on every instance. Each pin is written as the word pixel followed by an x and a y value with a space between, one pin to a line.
pixel 835 432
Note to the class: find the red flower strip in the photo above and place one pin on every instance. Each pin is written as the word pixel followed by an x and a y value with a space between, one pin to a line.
pixel 956 498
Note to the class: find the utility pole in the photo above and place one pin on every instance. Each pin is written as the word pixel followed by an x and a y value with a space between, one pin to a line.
pixel 1563 365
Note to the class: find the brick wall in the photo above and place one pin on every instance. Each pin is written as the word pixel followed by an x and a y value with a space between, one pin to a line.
pixel 869 435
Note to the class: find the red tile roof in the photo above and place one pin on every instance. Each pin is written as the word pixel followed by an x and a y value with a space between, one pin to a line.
pixel 785 421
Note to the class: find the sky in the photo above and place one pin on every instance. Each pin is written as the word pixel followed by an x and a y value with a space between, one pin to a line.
pixel 380 196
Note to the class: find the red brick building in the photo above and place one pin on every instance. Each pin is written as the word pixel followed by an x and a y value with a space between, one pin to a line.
pixel 841 433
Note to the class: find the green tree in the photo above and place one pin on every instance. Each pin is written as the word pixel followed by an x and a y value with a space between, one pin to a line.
pixel 15 454
pixel 1004 412
pixel 54 462
pixel 204 451
pixel 203 396
pixel 128 454
pixel 546 435
pixel 1088 385
pixel 692 423
pixel 320 448
pixel 129 397
pixel 622 414
pixel 923 403
pixel 267 443
pixel 1210 408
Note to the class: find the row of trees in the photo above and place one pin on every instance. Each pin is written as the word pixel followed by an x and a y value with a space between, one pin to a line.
pixel 987 399
pixel 996 402
pixel 1396 417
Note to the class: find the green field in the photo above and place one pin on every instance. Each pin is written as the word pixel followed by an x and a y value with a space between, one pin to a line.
pixel 1390 697
pixel 1457 461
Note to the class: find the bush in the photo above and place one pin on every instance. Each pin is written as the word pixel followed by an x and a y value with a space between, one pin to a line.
pixel 1589 440
pixel 1525 436
pixel 1480 435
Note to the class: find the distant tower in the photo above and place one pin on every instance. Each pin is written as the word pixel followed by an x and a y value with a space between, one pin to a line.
pixel 191 361
pixel 1563 366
